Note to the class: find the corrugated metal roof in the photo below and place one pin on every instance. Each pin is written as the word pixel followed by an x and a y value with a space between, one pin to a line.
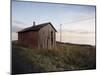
pixel 36 28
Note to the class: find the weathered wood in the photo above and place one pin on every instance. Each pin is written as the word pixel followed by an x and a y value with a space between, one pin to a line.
pixel 44 38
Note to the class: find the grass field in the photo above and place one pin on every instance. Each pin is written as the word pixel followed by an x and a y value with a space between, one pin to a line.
pixel 65 57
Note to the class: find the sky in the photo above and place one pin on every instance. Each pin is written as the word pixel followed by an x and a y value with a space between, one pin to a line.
pixel 78 21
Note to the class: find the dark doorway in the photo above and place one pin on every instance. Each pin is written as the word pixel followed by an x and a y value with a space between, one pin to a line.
pixel 51 37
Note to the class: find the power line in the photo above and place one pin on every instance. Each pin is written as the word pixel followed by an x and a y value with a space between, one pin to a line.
pixel 72 22
pixel 79 20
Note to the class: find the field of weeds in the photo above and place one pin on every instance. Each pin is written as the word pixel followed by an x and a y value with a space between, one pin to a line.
pixel 65 57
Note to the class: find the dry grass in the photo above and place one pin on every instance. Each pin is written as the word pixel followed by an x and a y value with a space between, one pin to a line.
pixel 66 57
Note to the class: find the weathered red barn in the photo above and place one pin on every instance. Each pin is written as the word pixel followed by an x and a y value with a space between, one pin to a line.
pixel 38 36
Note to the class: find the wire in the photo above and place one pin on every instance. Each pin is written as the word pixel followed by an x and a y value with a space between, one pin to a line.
pixel 79 20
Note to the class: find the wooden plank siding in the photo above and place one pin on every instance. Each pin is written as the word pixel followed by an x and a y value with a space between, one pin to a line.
pixel 45 37
pixel 29 39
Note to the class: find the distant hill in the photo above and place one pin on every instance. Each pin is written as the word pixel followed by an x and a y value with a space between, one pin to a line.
pixel 74 44
pixel 65 57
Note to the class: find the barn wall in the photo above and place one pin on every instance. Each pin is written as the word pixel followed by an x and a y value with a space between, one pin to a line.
pixel 19 38
pixel 45 37
pixel 29 39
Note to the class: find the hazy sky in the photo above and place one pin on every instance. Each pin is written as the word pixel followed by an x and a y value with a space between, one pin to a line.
pixel 78 22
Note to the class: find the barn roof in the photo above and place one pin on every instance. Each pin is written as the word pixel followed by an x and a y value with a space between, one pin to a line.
pixel 37 27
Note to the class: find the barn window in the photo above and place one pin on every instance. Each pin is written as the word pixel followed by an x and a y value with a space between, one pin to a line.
pixel 51 37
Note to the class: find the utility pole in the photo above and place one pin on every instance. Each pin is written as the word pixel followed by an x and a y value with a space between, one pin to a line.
pixel 60 32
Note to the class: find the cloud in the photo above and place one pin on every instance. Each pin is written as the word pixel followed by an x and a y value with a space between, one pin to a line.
pixel 16 28
pixel 86 26
pixel 79 31
pixel 79 38
pixel 14 36
pixel 19 22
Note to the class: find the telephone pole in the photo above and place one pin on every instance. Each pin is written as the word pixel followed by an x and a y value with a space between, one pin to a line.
pixel 60 32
